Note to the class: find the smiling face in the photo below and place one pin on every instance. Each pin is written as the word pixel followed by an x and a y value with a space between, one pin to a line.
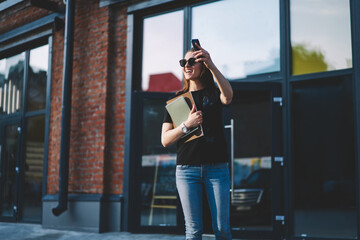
pixel 191 72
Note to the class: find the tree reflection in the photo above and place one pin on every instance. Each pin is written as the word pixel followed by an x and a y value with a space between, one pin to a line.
pixel 36 89
pixel 306 60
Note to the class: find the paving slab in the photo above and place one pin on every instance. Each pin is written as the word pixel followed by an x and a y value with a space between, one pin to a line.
pixel 23 231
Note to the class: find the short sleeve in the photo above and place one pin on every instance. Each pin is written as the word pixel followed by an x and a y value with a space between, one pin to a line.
pixel 167 117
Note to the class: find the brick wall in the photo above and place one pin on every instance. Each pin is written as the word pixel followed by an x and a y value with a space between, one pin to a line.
pixel 98 95
pixel 98 98
pixel 116 101
pixel 55 112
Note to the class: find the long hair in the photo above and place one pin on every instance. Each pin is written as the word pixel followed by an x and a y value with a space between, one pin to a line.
pixel 205 77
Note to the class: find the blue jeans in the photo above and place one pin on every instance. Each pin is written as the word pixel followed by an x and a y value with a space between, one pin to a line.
pixel 215 180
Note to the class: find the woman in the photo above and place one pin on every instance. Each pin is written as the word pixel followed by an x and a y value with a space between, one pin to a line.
pixel 202 163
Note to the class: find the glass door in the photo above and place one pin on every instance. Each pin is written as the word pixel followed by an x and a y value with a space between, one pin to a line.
pixel 158 208
pixel 9 170
pixel 252 124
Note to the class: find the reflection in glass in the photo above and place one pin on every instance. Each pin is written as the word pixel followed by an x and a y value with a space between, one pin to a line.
pixel 34 161
pixel 324 177
pixel 36 99
pixel 8 174
pixel 158 164
pixel 251 199
pixel 162 50
pixel 11 83
pixel 320 36
pixel 243 37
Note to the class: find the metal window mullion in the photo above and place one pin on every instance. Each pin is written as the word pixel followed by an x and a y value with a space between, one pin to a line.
pixel 285 46
pixel 355 41
pixel 187 28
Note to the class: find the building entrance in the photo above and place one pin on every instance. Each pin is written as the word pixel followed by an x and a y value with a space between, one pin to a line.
pixel 23 100
pixel 9 169
pixel 252 124
pixel 252 128
pixel 21 169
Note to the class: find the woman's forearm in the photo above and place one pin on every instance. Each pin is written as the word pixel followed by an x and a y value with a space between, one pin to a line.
pixel 170 135
pixel 223 84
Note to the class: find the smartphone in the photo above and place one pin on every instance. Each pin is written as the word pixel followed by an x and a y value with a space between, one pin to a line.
pixel 193 41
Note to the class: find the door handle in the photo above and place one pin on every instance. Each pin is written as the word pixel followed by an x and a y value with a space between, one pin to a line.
pixel 231 127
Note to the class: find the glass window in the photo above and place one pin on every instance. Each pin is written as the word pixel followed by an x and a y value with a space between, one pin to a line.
pixel 7 174
pixel 162 50
pixel 158 164
pixel 324 159
pixel 251 196
pixel 242 37
pixel 11 83
pixel 34 161
pixel 320 36
pixel 36 98
pixel 11 99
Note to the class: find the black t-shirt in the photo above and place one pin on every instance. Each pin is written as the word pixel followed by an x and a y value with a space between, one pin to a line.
pixel 211 148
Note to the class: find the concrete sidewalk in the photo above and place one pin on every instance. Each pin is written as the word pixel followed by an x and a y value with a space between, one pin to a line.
pixel 21 231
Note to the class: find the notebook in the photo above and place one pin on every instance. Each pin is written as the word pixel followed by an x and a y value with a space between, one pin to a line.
pixel 179 108
pixel 179 111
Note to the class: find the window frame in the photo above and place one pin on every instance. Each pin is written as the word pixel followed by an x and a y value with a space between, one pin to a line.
pixel 316 75
pixel 355 38
pixel 26 46
pixel 9 3
pixel 137 12
pixel 142 11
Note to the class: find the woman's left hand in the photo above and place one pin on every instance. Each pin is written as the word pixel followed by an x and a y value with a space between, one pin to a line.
pixel 203 56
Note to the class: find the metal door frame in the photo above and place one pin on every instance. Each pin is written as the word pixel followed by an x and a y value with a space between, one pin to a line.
pixel 17 200
pixel 277 160
pixel 136 154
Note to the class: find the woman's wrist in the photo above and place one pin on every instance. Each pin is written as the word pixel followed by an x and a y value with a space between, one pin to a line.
pixel 187 124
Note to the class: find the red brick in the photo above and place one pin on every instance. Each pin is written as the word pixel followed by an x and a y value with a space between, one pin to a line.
pixel 98 95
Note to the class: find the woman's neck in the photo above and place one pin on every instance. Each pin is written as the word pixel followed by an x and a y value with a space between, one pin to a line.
pixel 195 86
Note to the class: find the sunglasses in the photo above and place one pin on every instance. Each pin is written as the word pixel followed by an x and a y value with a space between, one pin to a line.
pixel 190 61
